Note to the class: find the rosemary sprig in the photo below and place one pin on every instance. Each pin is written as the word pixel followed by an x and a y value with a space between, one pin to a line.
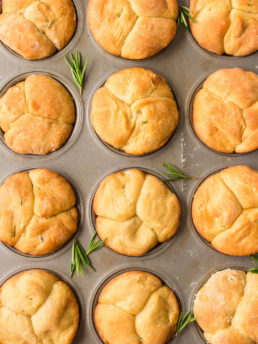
pixel 183 321
pixel 78 72
pixel 183 15
pixel 254 270
pixel 80 257
pixel 174 173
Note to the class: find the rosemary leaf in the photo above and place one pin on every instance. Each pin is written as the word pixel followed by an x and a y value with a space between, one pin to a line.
pixel 80 258
pixel 183 14
pixel 255 257
pixel 72 266
pixel 78 266
pixel 85 256
pixel 183 321
pixel 174 173
pixel 13 232
pixel 254 270
pixel 78 71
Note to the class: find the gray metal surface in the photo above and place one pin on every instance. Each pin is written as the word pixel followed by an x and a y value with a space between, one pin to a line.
pixel 185 260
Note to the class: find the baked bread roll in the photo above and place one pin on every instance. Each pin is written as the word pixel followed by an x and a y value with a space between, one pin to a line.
pixel 36 115
pixel 38 213
pixel 135 211
pixel 225 26
pixel 226 308
pixel 225 210
pixel 133 29
pixel 134 308
pixel 225 111
pixel 134 111
pixel 36 307
pixel 35 29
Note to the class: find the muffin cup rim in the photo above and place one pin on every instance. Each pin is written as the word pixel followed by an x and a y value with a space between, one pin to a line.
pixel 206 52
pixel 189 111
pixel 119 57
pixel 80 19
pixel 198 332
pixel 171 284
pixel 62 278
pixel 109 148
pixel 78 105
pixel 190 205
pixel 160 247
pixel 79 207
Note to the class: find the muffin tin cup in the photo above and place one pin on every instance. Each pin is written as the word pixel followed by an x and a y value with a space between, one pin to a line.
pixel 67 244
pixel 96 292
pixel 189 110
pixel 78 112
pixel 63 278
pixel 59 53
pixel 225 57
pixel 189 209
pixel 119 58
pixel 196 329
pixel 109 147
pixel 160 247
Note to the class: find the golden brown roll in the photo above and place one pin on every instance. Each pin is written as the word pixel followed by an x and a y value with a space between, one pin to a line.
pixel 133 29
pixel 35 29
pixel 226 26
pixel 37 307
pixel 135 211
pixel 136 307
pixel 134 111
pixel 36 115
pixel 225 111
pixel 38 213
pixel 226 308
pixel 225 210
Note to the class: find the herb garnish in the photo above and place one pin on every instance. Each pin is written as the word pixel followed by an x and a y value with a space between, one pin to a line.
pixel 183 321
pixel 255 258
pixel 174 173
pixel 183 15
pixel 80 257
pixel 13 232
pixel 78 72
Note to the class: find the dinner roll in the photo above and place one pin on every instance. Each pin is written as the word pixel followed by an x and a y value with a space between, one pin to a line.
pixel 35 29
pixel 226 26
pixel 133 29
pixel 226 308
pixel 134 111
pixel 225 210
pixel 136 308
pixel 225 111
pixel 36 307
pixel 36 115
pixel 38 213
pixel 135 211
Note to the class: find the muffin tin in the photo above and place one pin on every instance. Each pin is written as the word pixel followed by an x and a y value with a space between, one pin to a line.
pixel 185 260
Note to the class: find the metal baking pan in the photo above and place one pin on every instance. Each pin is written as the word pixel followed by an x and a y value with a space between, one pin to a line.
pixel 185 261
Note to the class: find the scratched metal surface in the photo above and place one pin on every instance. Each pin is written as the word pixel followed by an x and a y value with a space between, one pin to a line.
pixel 185 260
